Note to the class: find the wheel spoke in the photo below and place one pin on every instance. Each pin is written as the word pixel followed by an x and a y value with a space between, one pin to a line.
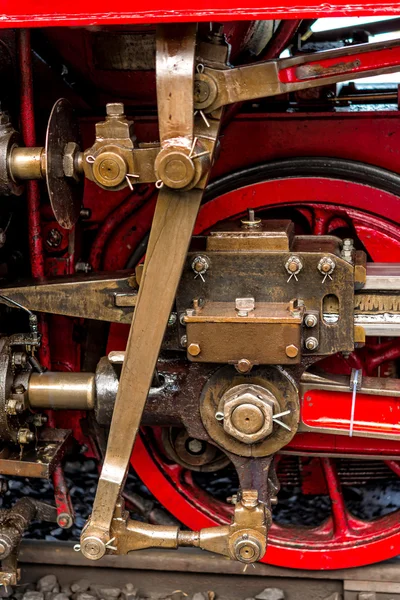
pixel 394 466
pixel 339 511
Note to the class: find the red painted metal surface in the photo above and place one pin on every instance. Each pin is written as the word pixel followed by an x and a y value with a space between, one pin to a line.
pixel 99 12
pixel 379 415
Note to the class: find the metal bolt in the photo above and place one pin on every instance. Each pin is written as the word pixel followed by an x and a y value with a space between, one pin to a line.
pixel 83 267
pixel 326 265
pixel 243 306
pixel 64 520
pixel 219 415
pixel 39 420
pixel 19 359
pixel 93 547
pixel 172 319
pixel 347 249
pixel 310 320
pixel 293 266
pixel 195 446
pixel 311 343
pixel 24 436
pixel 54 238
pixel 200 265
pixel 291 351
pixel 115 109
pixel 194 349
pixel 85 213
pixel 19 407
pixel 251 222
pixel 19 389
pixel 243 365
pixel 184 341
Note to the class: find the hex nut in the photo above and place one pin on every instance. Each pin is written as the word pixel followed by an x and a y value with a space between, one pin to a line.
pixel 291 351
pixel 248 410
pixel 310 320
pixel 311 343
pixel 69 160
pixel 194 349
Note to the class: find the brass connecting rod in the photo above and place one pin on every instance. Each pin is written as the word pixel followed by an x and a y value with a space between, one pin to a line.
pixel 170 236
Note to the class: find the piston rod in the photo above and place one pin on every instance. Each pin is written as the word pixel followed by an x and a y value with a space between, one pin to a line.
pixel 62 391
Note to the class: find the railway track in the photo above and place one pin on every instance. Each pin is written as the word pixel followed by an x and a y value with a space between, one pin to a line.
pixel 158 573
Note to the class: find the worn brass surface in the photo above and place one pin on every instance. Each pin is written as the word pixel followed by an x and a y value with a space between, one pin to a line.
pixel 223 336
pixel 265 236
pixel 247 412
pixel 170 236
pixel 261 80
pixel 244 539
pixel 110 160
pixel 261 337
pixel 27 163
pixel 279 390
pixel 59 390
pixel 105 298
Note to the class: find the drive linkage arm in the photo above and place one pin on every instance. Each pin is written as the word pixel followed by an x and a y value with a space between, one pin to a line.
pixel 217 87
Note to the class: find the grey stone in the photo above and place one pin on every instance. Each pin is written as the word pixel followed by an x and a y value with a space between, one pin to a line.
pixel 82 585
pixel 30 595
pixel 129 592
pixel 48 583
pixel 60 596
pixel 271 594
pixel 84 596
pixel 200 596
pixel 105 592
pixel 66 589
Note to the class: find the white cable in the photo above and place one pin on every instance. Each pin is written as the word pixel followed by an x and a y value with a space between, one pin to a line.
pixel 353 401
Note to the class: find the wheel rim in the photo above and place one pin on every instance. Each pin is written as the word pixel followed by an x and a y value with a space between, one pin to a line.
pixel 342 541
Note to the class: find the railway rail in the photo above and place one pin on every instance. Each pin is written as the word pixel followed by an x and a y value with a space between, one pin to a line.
pixel 158 573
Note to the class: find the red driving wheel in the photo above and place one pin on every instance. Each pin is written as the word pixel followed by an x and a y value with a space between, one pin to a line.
pixel 323 204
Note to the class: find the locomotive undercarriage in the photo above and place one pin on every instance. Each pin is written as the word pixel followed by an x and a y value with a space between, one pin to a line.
pixel 227 327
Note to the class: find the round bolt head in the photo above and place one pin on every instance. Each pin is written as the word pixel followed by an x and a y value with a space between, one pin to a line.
pixel 175 168
pixel 243 365
pixel 247 418
pixel 311 343
pixel 184 341
pixel 293 265
pixel 326 265
pixel 109 169
pixel 93 547
pixel 291 351
pixel 194 349
pixel 200 264
pixel 64 520
pixel 247 549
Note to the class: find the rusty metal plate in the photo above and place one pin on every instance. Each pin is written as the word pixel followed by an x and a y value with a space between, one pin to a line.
pixel 262 275
pixel 39 460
